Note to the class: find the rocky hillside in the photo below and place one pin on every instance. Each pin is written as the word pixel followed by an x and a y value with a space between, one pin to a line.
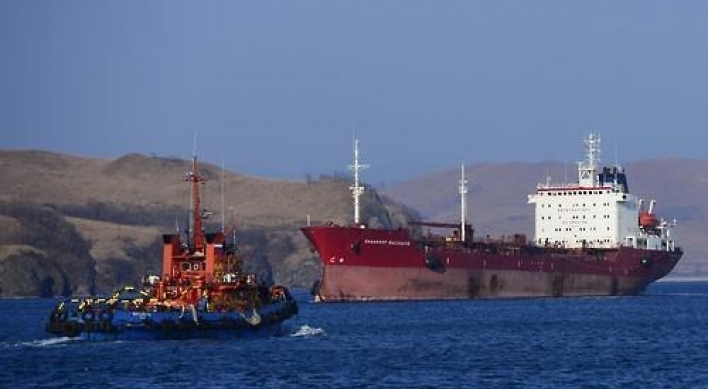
pixel 498 198
pixel 72 225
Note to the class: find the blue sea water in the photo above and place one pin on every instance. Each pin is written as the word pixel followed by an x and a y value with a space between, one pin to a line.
pixel 656 340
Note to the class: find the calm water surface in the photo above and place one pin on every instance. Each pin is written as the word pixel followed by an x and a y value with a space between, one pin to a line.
pixel 657 340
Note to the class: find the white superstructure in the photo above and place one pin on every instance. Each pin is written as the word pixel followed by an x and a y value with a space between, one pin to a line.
pixel 598 211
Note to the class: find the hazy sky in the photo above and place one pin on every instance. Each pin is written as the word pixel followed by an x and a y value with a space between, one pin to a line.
pixel 274 89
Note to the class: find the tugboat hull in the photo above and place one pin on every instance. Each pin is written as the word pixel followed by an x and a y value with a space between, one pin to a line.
pixel 118 324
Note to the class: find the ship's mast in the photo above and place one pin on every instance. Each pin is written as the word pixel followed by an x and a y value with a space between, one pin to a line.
pixel 223 210
pixel 356 189
pixel 587 171
pixel 197 229
pixel 463 202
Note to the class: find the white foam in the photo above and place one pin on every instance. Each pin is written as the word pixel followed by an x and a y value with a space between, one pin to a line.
pixel 47 342
pixel 306 330
pixel 700 294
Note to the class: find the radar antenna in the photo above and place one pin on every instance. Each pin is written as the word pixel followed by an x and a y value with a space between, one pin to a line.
pixel 587 171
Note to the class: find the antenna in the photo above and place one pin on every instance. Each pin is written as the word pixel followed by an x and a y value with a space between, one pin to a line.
pixel 223 212
pixel 587 171
pixel 190 225
pixel 195 222
pixel 234 236
pixel 463 203
pixel 189 175
pixel 593 148
pixel 356 189
pixel 194 147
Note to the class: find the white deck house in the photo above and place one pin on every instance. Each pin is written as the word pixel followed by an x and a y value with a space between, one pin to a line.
pixel 598 211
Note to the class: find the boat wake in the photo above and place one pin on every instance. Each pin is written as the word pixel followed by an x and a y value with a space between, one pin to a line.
pixel 690 294
pixel 307 331
pixel 46 342
pixel 35 343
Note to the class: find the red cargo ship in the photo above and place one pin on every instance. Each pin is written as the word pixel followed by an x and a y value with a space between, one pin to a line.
pixel 592 238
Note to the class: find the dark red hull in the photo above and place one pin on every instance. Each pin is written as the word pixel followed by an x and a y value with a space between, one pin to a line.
pixel 379 264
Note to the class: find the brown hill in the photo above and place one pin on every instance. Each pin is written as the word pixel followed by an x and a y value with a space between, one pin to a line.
pixel 138 180
pixel 112 214
pixel 498 198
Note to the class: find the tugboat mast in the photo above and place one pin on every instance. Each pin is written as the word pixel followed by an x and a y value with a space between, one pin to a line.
pixel 357 189
pixel 196 222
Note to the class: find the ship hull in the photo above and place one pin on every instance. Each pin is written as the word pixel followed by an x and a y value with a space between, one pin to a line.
pixel 377 264
pixel 370 284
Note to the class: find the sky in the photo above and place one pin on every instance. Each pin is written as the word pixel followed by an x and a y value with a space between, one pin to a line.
pixel 278 89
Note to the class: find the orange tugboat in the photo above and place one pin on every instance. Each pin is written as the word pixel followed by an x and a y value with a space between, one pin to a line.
pixel 203 292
